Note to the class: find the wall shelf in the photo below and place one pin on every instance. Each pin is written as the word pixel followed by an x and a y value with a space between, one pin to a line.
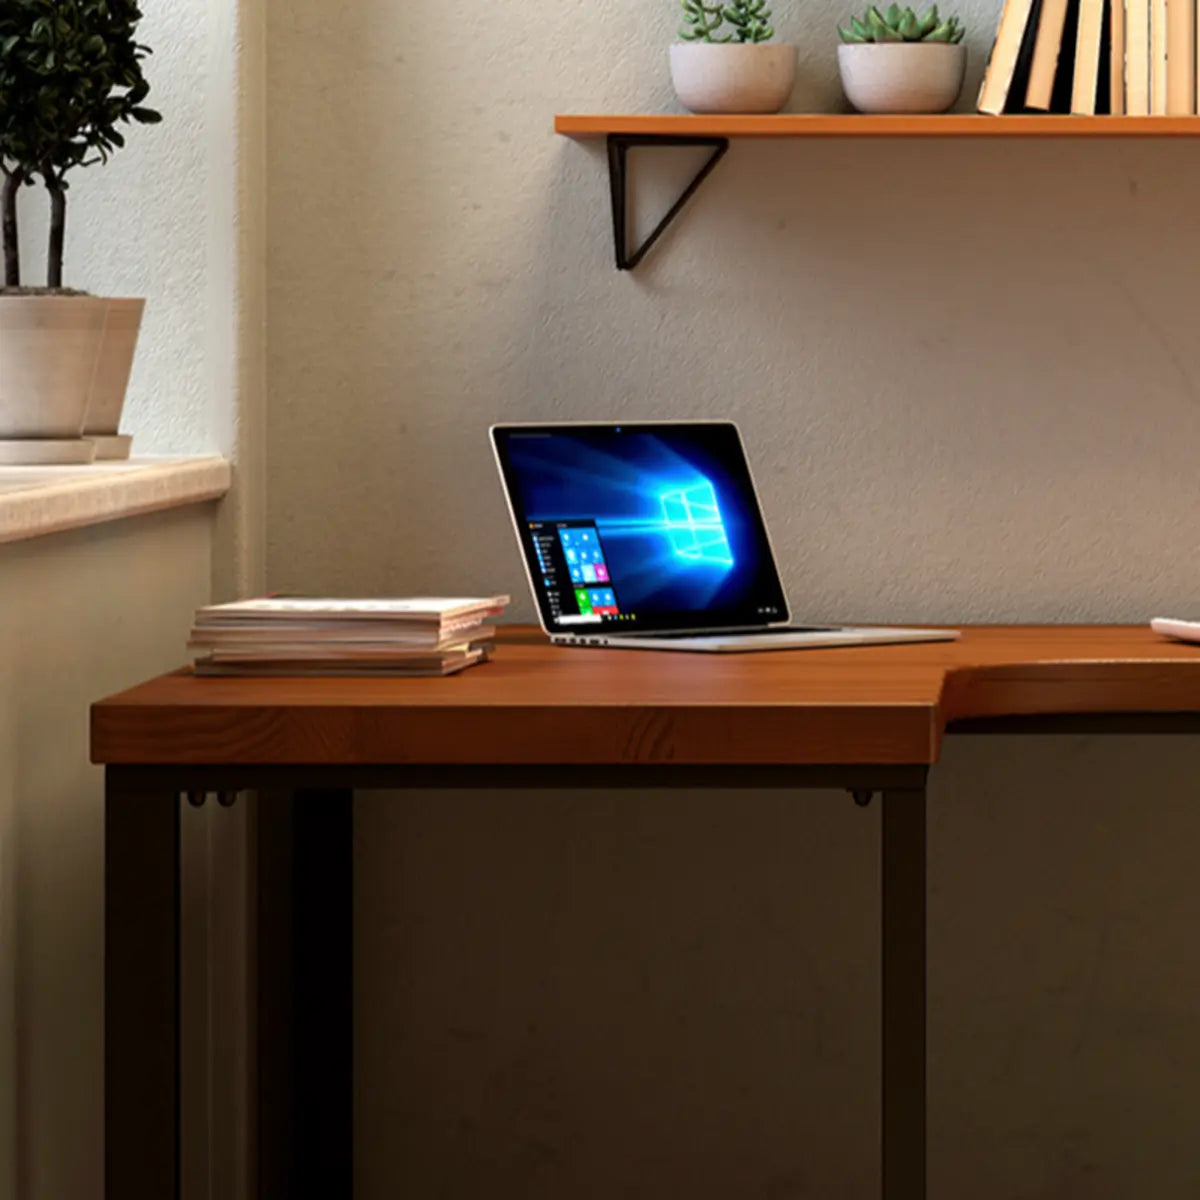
pixel 841 125
pixel 625 132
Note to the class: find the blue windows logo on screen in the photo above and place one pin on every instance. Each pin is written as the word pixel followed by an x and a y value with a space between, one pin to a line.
pixel 694 526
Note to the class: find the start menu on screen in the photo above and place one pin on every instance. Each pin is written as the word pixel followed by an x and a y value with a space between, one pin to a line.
pixel 574 572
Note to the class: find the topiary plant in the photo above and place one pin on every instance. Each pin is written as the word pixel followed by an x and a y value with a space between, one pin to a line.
pixel 70 73
pixel 902 25
pixel 750 21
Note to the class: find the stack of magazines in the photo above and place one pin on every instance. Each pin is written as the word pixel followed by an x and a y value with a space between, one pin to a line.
pixel 286 636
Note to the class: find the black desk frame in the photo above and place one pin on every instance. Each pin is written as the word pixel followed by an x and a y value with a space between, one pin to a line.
pixel 305 955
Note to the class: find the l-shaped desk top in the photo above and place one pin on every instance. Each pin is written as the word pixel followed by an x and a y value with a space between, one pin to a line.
pixel 542 704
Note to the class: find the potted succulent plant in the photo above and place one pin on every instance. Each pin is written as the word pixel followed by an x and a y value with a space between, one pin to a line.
pixel 70 75
pixel 727 63
pixel 898 62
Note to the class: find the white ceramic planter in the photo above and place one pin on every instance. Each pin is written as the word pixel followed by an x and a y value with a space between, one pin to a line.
pixel 48 351
pixel 123 321
pixel 902 77
pixel 714 77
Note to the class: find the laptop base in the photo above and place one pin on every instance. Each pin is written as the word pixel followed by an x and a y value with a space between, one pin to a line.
pixel 759 639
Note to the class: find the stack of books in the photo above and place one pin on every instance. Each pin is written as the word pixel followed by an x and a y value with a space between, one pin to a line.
pixel 1135 57
pixel 284 636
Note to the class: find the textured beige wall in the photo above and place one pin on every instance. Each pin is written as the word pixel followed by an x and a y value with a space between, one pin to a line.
pixel 967 375
pixel 966 372
pixel 82 615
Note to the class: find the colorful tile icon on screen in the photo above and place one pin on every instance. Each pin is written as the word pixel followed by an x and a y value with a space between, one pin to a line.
pixel 576 574
pixel 585 604
pixel 589 573
pixel 572 556
pixel 603 601
pixel 601 573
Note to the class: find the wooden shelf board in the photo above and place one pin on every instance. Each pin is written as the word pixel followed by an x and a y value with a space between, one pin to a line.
pixel 827 125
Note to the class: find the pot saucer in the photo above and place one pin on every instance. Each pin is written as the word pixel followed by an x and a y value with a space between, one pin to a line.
pixel 29 452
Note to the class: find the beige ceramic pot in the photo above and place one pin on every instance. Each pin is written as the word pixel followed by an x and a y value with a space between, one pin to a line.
pixel 123 321
pixel 48 351
pixel 717 77
pixel 902 77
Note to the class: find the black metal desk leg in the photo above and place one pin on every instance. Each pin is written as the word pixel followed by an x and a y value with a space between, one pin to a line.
pixel 903 936
pixel 305 993
pixel 141 990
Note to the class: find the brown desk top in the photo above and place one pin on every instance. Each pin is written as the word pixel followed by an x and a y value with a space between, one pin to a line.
pixel 541 704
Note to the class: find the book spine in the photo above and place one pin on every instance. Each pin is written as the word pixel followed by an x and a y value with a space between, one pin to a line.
pixel 1002 62
pixel 1181 58
pixel 1137 57
pixel 1116 84
pixel 1158 58
pixel 1087 57
pixel 1045 54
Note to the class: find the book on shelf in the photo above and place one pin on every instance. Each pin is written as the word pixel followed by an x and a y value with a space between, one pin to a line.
pixel 293 636
pixel 1181 58
pixel 1116 57
pixel 1005 73
pixel 1089 48
pixel 1049 53
pixel 1135 57
pixel 1158 58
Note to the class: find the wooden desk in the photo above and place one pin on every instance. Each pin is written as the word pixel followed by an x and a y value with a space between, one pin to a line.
pixel 867 719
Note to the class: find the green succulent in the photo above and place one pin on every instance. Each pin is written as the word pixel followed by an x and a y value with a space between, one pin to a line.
pixel 748 21
pixel 898 24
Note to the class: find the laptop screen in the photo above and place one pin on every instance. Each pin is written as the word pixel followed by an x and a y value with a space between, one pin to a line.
pixel 639 527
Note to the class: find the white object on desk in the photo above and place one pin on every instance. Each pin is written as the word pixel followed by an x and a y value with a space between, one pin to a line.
pixel 1185 631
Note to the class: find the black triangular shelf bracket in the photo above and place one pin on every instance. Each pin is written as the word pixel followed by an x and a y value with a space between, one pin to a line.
pixel 619 145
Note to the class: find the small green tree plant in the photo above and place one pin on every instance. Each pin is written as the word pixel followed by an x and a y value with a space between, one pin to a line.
pixel 70 75
pixel 748 21
pixel 898 24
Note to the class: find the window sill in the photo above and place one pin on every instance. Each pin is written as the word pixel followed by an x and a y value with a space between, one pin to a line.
pixel 38 500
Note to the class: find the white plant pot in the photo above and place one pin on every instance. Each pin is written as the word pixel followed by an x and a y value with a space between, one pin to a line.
pixel 902 77
pixel 123 321
pixel 714 77
pixel 48 351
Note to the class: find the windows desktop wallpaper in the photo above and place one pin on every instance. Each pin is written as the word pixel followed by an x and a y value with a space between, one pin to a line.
pixel 673 510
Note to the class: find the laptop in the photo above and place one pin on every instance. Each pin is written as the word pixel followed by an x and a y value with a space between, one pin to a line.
pixel 649 536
